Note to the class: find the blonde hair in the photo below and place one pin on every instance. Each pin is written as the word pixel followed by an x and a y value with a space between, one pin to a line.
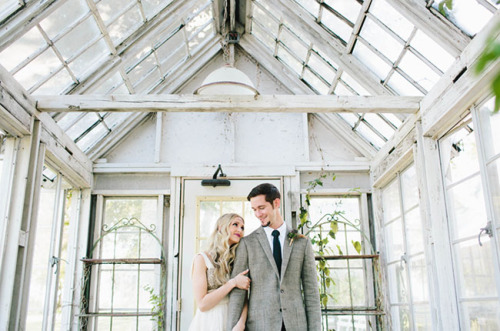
pixel 220 251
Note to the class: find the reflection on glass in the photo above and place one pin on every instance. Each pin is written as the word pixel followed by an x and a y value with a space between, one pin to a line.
pixel 394 240
pixel 398 289
pixel 459 155
pixel 419 279
pixel 477 277
pixel 483 315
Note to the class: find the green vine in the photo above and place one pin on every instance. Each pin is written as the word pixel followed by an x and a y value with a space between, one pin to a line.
pixel 321 232
pixel 158 305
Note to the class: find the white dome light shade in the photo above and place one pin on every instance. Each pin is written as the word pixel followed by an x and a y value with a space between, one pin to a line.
pixel 227 81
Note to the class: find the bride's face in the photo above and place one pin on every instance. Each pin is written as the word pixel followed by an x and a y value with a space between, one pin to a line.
pixel 236 229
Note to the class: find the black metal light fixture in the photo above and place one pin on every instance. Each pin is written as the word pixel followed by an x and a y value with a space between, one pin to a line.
pixel 216 181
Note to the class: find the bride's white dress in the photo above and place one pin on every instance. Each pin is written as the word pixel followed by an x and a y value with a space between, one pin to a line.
pixel 216 318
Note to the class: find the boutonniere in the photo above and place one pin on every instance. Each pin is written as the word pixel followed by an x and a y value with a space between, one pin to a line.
pixel 294 234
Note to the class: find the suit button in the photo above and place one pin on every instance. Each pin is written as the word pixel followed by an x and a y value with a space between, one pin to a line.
pixel 280 309
pixel 282 291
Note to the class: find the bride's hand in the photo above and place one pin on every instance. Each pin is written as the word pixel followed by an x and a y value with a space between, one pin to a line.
pixel 242 281
pixel 239 327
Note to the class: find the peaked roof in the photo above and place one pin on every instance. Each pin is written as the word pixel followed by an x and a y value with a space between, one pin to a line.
pixel 341 47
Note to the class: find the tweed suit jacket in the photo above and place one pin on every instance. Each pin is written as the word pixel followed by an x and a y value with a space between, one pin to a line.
pixel 293 299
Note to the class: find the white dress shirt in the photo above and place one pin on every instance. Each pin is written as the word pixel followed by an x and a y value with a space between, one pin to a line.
pixel 282 229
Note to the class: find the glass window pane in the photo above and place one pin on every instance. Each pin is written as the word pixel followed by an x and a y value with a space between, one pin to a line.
pixel 410 188
pixel 482 315
pixel 476 270
pixel 56 84
pixel 271 25
pixel 315 82
pixel 125 25
pixel 378 123
pixel 89 59
pixel 321 67
pixel 348 9
pixel 291 61
pixel 394 240
pixel 43 65
pixel 398 283
pixel 419 279
pixel 490 130
pixel 414 231
pixel 466 208
pixel 391 201
pixel 295 45
pixel 470 16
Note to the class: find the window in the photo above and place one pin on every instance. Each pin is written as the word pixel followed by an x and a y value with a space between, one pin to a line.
pixel 469 162
pixel 407 282
pixel 50 256
pixel 351 304
pixel 127 265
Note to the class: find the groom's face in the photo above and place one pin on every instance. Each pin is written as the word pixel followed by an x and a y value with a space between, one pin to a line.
pixel 263 210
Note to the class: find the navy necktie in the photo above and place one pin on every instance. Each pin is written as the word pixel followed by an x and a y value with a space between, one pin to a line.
pixel 277 250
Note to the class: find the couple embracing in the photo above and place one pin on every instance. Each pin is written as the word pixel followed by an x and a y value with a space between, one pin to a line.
pixel 264 282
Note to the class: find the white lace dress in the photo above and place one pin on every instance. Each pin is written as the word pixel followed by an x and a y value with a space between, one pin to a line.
pixel 216 318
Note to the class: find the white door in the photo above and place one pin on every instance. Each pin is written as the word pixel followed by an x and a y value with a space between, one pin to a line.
pixel 202 207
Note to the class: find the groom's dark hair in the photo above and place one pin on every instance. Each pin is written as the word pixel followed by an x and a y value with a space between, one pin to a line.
pixel 269 190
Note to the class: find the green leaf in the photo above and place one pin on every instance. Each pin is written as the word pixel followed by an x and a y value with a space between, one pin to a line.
pixel 495 86
pixel 334 226
pixel 324 299
pixel 357 246
pixel 340 250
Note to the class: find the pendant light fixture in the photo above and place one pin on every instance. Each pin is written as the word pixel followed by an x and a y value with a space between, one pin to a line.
pixel 227 80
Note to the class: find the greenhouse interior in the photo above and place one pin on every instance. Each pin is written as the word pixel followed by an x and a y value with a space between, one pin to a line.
pixel 127 127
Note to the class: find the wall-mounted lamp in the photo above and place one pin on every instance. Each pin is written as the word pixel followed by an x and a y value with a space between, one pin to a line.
pixel 216 181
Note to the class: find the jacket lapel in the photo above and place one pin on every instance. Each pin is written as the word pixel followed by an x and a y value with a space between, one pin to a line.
pixel 264 242
pixel 287 250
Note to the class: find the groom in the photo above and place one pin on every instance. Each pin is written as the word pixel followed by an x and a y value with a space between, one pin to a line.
pixel 284 291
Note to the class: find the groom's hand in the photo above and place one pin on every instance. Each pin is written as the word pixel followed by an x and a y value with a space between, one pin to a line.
pixel 242 281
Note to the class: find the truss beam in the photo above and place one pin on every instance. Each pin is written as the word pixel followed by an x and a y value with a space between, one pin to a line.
pixel 199 103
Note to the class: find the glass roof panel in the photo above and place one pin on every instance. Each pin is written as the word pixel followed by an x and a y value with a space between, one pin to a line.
pixel 371 60
pixel 381 40
pixel 38 69
pixel 353 84
pixel 396 22
pixel 289 60
pixel 56 84
pixel 377 122
pixel 78 38
pixel 89 139
pixel 295 45
pixel 402 86
pixel 28 44
pixel 432 51
pixel 469 16
pixel 151 7
pixel 336 25
pixel 311 6
pixel 76 131
pixel 69 119
pixel 419 71
pixel 265 18
pixel 263 36
pixel 350 118
pixel 9 6
pixel 317 84
pixel 125 25
pixel 89 59
pixel 341 89
pixel 321 67
pixel 370 135
pixel 349 9
pixel 63 17
pixel 109 10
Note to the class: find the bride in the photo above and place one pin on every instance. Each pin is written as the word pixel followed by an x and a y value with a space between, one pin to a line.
pixel 211 272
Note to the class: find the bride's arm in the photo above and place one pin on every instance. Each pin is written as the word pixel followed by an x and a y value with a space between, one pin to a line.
pixel 207 301
pixel 240 326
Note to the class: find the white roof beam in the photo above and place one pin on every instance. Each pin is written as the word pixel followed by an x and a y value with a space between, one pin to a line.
pixel 228 103
pixel 436 27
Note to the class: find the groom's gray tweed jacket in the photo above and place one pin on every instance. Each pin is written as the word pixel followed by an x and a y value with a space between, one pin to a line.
pixel 293 300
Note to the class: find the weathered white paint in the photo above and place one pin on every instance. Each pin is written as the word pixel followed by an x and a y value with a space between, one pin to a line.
pixel 132 182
